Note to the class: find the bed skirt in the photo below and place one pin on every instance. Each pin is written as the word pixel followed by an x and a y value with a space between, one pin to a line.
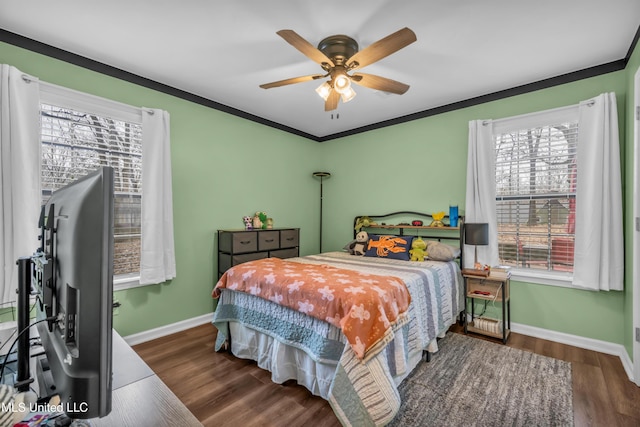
pixel 290 363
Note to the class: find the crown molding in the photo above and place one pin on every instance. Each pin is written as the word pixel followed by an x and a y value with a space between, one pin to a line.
pixel 99 67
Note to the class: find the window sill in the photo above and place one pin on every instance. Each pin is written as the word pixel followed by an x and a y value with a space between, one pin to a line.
pixel 126 281
pixel 551 278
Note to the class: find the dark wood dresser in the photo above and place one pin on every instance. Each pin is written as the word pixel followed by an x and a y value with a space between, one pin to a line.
pixel 238 246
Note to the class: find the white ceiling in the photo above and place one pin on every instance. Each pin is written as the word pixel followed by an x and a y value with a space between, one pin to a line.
pixel 223 50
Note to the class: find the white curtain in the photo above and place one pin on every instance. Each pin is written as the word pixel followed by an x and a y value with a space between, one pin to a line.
pixel 480 202
pixel 598 253
pixel 157 257
pixel 20 175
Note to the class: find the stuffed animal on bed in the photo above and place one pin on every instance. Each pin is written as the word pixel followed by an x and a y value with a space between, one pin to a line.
pixel 359 247
pixel 418 249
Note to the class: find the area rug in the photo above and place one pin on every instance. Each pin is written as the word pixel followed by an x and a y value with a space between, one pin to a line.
pixel 471 382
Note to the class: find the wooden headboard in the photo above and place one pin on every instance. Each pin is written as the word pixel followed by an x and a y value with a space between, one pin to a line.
pixel 400 223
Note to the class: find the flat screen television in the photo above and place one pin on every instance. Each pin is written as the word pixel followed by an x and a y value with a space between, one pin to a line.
pixel 75 292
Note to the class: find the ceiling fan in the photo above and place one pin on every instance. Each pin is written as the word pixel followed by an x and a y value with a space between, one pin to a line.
pixel 338 55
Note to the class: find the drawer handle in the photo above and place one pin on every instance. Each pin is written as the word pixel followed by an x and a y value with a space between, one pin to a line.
pixel 269 240
pixel 245 242
pixel 289 238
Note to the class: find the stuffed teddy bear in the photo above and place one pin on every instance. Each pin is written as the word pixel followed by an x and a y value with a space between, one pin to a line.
pixel 418 249
pixel 257 224
pixel 360 245
pixel 260 220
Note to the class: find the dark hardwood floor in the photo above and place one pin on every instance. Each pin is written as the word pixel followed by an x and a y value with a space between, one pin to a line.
pixel 222 390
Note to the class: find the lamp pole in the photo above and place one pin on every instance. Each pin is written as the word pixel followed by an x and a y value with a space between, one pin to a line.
pixel 321 175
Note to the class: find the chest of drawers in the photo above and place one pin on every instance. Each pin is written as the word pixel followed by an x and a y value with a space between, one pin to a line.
pixel 238 246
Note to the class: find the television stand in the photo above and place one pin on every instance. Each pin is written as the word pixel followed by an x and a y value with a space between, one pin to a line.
pixel 139 397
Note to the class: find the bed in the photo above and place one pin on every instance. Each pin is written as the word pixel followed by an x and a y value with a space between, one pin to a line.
pixel 349 328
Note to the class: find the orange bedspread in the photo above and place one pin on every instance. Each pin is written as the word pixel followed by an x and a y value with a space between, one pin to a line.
pixel 364 306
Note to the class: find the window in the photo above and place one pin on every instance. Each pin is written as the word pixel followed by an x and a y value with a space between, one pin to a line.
pixel 536 174
pixel 78 137
pixel 549 186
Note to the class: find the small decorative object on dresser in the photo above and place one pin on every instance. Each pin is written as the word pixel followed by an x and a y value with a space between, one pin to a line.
pixel 257 224
pixel 238 246
pixel 248 222
pixel 260 220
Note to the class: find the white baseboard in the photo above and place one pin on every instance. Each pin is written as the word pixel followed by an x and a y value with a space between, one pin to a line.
pixel 165 330
pixel 578 341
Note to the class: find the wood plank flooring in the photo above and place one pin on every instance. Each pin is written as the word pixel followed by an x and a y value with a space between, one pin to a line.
pixel 221 390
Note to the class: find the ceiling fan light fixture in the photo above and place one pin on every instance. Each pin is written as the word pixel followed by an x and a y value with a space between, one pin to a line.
pixel 348 94
pixel 341 83
pixel 324 90
pixel 338 55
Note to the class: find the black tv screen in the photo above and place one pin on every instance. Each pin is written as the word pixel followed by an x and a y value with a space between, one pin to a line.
pixel 77 290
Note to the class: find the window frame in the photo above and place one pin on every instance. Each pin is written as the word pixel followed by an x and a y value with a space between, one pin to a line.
pixel 528 121
pixel 80 101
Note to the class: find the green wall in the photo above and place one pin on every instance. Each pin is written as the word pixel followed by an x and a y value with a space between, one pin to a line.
pixel 225 167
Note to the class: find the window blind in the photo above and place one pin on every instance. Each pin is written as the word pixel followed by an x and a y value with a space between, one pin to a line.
pixel 76 142
pixel 535 195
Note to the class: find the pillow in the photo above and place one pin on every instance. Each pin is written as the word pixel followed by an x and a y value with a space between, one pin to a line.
pixel 392 247
pixel 439 251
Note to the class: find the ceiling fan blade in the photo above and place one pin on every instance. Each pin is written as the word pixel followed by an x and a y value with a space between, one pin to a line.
pixel 305 47
pixel 332 101
pixel 380 83
pixel 291 81
pixel 382 48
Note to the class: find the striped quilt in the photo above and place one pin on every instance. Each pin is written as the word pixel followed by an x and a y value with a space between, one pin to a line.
pixel 361 393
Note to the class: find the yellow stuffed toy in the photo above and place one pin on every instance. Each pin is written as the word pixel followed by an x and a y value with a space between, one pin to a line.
pixel 437 219
pixel 418 249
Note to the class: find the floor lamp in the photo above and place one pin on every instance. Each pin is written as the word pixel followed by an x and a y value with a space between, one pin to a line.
pixel 321 175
